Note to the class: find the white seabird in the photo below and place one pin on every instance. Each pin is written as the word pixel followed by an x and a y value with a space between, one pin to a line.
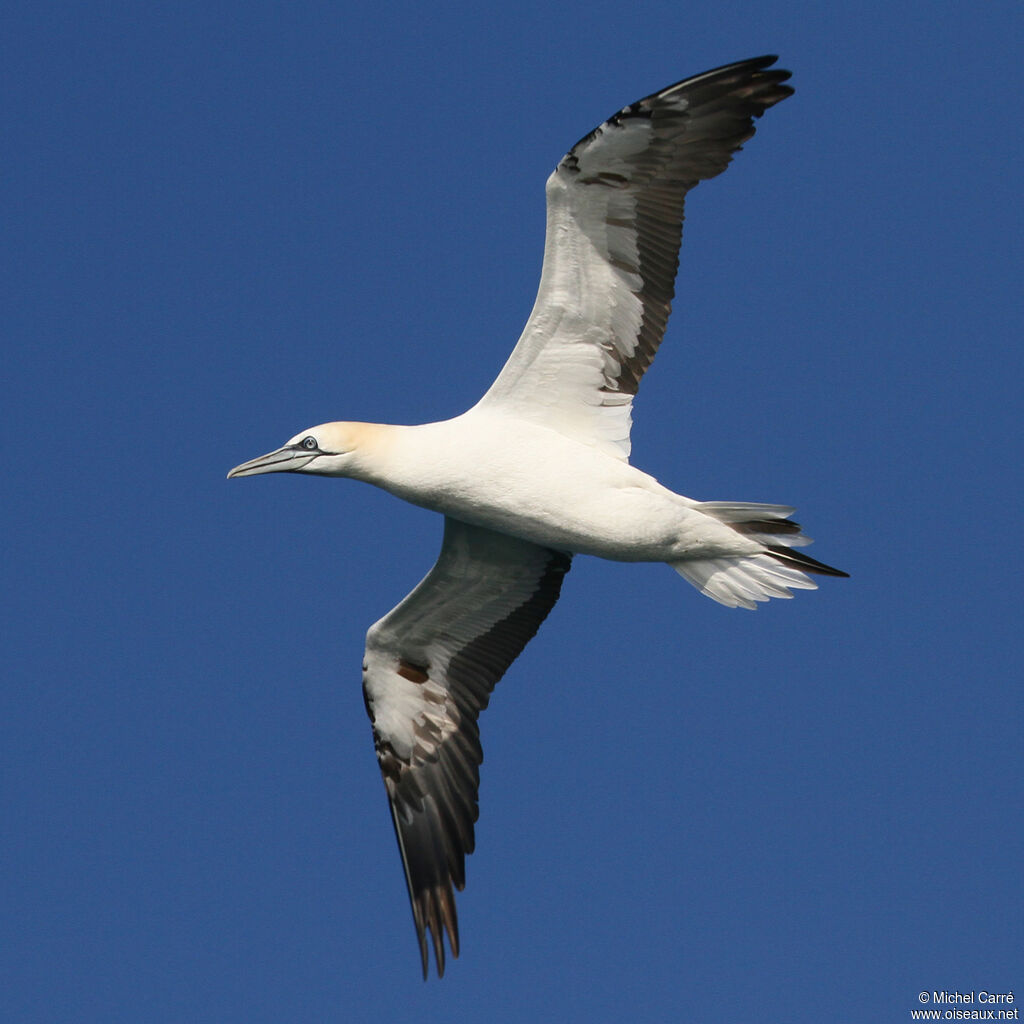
pixel 538 470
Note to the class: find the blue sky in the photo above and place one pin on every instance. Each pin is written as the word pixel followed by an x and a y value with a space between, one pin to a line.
pixel 226 222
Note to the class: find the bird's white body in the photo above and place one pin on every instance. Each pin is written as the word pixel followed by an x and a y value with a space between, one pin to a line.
pixel 538 470
pixel 532 482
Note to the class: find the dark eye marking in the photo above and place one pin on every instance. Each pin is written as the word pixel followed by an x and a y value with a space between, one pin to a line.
pixel 309 443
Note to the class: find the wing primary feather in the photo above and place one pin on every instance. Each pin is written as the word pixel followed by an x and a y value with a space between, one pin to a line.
pixel 417 912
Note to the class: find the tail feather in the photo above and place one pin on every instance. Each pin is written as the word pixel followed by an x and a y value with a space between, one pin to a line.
pixel 741 580
pixel 769 524
pixel 744 511
pixel 805 562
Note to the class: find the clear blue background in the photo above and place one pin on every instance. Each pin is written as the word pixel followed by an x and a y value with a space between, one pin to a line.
pixel 224 222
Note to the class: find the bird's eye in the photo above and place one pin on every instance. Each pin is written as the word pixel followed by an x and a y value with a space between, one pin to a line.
pixel 309 443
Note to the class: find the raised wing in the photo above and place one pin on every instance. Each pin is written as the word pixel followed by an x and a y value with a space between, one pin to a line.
pixel 431 664
pixel 614 222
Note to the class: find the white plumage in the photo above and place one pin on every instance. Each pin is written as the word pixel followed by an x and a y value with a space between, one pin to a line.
pixel 538 470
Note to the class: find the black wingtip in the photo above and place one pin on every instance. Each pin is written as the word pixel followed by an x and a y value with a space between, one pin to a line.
pixel 433 910
pixel 750 66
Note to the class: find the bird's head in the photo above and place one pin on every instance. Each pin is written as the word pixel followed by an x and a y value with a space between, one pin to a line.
pixel 327 449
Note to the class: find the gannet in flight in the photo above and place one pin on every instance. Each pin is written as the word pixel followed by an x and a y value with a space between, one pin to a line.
pixel 538 470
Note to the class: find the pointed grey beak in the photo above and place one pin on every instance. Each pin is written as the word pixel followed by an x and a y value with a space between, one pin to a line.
pixel 284 460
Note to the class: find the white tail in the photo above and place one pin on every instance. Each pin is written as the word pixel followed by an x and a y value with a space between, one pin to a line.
pixel 740 581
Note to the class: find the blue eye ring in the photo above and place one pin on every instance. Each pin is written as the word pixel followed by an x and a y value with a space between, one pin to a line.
pixel 309 443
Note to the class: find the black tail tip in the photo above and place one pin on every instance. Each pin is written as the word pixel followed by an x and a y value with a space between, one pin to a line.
pixel 798 560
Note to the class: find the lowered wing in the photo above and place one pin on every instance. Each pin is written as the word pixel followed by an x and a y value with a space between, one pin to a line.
pixel 430 666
